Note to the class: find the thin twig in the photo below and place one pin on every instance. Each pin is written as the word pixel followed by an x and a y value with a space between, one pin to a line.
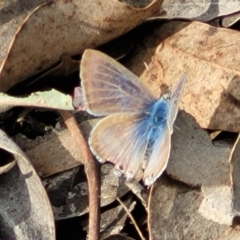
pixel 132 219
pixel 149 211
pixel 92 172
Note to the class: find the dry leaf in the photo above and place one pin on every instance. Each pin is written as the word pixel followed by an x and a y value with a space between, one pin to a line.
pixel 66 28
pixel 12 15
pixel 55 152
pixel 213 77
pixel 208 56
pixel 194 158
pixel 71 200
pixel 214 134
pixel 55 155
pixel 25 211
pixel 7 161
pixel 217 204
pixel 228 21
pixel 47 99
pixel 175 214
pixel 201 10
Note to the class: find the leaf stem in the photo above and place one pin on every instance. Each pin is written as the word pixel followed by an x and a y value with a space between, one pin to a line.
pixel 92 171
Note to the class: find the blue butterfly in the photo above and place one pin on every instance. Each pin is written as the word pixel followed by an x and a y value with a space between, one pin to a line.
pixel 136 133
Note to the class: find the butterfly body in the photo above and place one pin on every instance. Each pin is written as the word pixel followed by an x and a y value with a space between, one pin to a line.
pixel 158 117
pixel 153 123
pixel 136 133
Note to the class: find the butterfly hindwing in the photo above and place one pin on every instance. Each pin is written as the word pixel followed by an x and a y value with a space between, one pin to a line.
pixel 121 139
pixel 158 159
pixel 108 87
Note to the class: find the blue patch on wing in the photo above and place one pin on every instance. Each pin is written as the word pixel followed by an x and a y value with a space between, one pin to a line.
pixel 152 124
pixel 158 118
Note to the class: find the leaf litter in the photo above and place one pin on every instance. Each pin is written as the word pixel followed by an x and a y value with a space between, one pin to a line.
pixel 203 11
pixel 72 27
pixel 198 196
pixel 23 199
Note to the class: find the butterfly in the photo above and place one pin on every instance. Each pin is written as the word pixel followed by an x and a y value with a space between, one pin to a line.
pixel 135 134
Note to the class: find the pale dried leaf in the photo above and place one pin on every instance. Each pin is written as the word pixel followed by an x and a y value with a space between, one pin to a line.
pixel 212 90
pixel 214 134
pixel 55 155
pixel 194 159
pixel 7 167
pixel 12 15
pixel 174 214
pixel 56 152
pixel 213 77
pixel 47 99
pixel 8 160
pixel 217 204
pixel 204 11
pixel 25 211
pixel 66 28
pixel 228 21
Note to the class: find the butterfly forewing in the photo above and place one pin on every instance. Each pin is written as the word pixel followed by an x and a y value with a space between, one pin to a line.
pixel 175 99
pixel 109 88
